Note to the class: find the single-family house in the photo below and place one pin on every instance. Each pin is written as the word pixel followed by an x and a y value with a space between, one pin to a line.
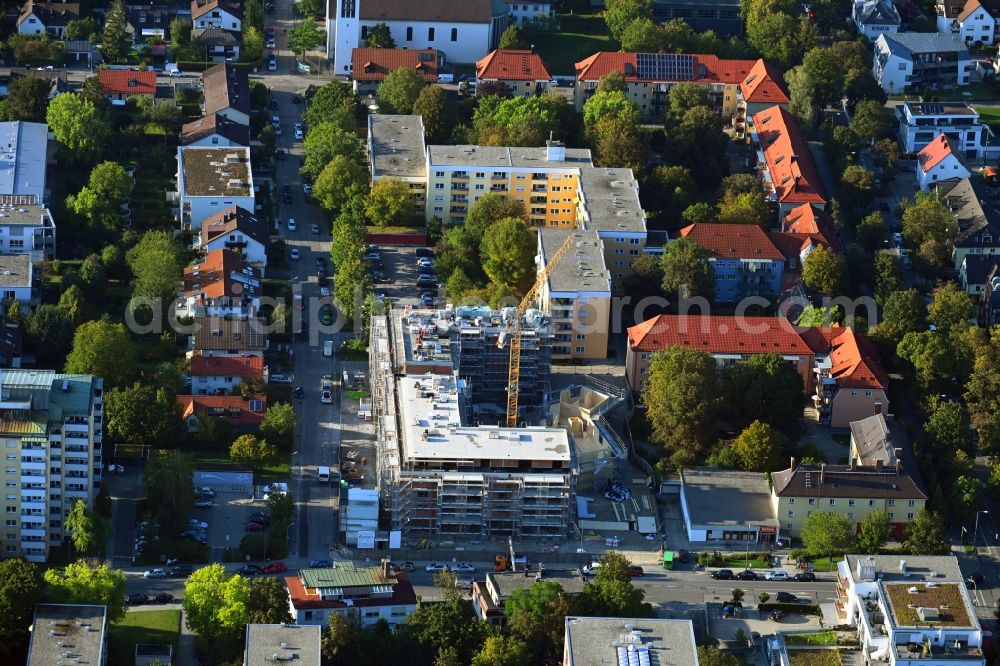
pixel 210 180
pixel 973 21
pixel 242 414
pixel 876 17
pixel 489 596
pixel 221 45
pixel 51 18
pixel 520 71
pixel 921 122
pixel 938 161
pixel 220 284
pixel 368 593
pixel 215 130
pixel 227 92
pixel 218 336
pixel 121 85
pixel 911 61
pixel 237 230
pixel 219 375
pixel 369 66
pixel 148 21
pixel 784 163
pixel 743 258
pixel 975 209
pixel 976 272
pixel 216 14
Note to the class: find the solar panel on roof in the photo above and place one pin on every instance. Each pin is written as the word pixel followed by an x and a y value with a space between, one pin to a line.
pixel 933 107
pixel 665 66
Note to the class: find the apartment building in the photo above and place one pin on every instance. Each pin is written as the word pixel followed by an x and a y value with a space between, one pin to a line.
pixel 369 66
pixel 975 22
pixel 850 382
pixel 270 643
pixel 743 258
pixel 577 295
pixel 596 641
pixel 81 630
pixel 223 374
pixel 910 610
pixel 242 414
pixel 237 230
pixel 805 220
pixel 763 87
pixel 876 17
pixel 362 594
pixel 52 427
pixel 26 227
pixel 851 490
pixel 396 151
pixel 219 284
pixel 940 160
pixel 975 207
pixel 210 180
pixel 784 163
pixel 222 336
pixel 227 92
pixel 18 282
pixel 910 61
pixel 23 161
pixel 490 595
pixel 920 123
pixel 609 205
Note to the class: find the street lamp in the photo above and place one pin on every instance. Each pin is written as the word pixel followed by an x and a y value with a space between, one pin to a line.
pixel 975 530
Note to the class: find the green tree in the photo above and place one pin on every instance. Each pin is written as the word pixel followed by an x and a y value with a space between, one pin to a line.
pixel 615 104
pixel 951 308
pixel 642 35
pixel 115 40
pixel 78 126
pixel 88 531
pixel 870 120
pixel 823 270
pixel 437 111
pixel 100 199
pixel 325 141
pixel 931 356
pixel 252 49
pixel 949 429
pixel 758 447
pixel 745 208
pixel 502 650
pixel 51 334
pixel 267 602
pixel 278 426
pixel 380 37
pixel 27 99
pixel 619 14
pixel 20 591
pixel 686 96
pixel 926 219
pixel 888 276
pixel 700 144
pixel 802 94
pixel 157 265
pixel 169 488
pixel 680 394
pixel 216 606
pixel 925 535
pixel 904 312
pixel 332 99
pixel 709 655
pixel 766 388
pixel 389 203
pixel 511 39
pixel 518 121
pixel 81 29
pixel 857 187
pixel 84 582
pixel 686 270
pixel 826 74
pixel 340 180
pixel 253 452
pixel 873 533
pixel 399 91
pixel 612 594
pixel 350 281
pixel 872 231
pixel 827 533
pixel 507 252
pixel 613 81
pixel 103 349
pixel 448 624
pixel 348 239
pixel 816 317
pixel 304 37
pixel 487 211
pixel 536 615
pixel 618 143
pixel 180 33
pixel 72 304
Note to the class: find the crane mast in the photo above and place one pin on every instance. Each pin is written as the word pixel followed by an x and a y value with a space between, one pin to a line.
pixel 513 331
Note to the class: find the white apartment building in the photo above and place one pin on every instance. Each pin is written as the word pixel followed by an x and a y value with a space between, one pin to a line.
pixel 396 151
pixel 875 17
pixel 17 281
pixel 909 61
pixel 26 227
pixel 363 594
pixel 210 180
pixel 921 122
pixel 971 20
pixel 909 610
pixel 52 433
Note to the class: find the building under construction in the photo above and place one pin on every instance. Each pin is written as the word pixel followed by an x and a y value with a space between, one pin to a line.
pixel 441 473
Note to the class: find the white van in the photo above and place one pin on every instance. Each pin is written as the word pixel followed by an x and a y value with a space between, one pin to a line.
pixel 324 474
pixel 304 68
pixel 328 348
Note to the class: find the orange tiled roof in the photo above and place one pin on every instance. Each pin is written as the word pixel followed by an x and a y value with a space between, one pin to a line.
pixel 707 68
pixel 127 82
pixel 787 155
pixel 373 64
pixel 764 84
pixel 247 367
pixel 237 409
pixel 213 277
pixel 936 151
pixel 733 241
pixel 856 362
pixel 718 335
pixel 805 219
pixel 512 65
pixel 790 245
pixel 201 7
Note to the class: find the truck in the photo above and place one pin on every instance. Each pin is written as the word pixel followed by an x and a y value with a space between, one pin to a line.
pixel 324 474
pixel 328 348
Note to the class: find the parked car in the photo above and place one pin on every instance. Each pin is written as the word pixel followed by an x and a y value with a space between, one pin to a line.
pixel 278 378
pixel 249 570
pixel 314 228
pixel 777 614
pixel 299 134
pixel 162 598
pixel 203 503
pixel 747 574
pixel 722 574
pixel 427 299
pixel 634 571
pixel 307 188
pixel 425 281
pixel 785 598
pixel 272 64
pixel 326 314
pixel 435 567
pixel 260 517
pixel 136 599
pixel 462 567
pixel 404 567
pixel 804 577
pixel 326 397
pixel 274 103
pixel 254 527
pixel 155 573
pixel 591 569
pixel 776 575
pixel 294 254
pixel 324 291
pixel 180 571
pixel 298 392
pixel 425 261
pixel 275 568
pixel 321 563
pixel 291 224
pixel 205 490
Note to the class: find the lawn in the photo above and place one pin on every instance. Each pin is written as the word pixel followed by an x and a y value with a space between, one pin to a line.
pixel 826 563
pixel 815 658
pixel 989 114
pixel 356 395
pixel 819 638
pixel 580 36
pixel 142 626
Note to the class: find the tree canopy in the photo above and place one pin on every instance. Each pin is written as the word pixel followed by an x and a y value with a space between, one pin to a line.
pixel 399 91
pixel 686 270
pixel 827 533
pixel 83 582
pixel 103 349
pixel 78 126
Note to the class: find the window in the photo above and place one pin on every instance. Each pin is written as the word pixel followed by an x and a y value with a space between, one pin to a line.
pixel 430 34
pixel 791 500
pixel 913 502
pixel 438 186
pixel 892 502
pixel 871 502
pixel 409 34
pixel 579 350
pixel 868 394
pixel 454 34
pixel 439 174
pixel 850 502
pixel 581 336
pixel 890 516
pixel 480 174
pixel 833 502
pixel 791 514
pixel 854 394
pixel 902 66
pixel 812 501
pixel 909 516
pixel 364 32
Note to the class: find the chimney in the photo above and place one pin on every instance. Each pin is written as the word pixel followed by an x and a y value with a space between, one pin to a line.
pixel 899 467
pixel 822 473
pixel 897 453
pixel 555 151
pixel 795 463
pixel 878 465
pixel 386 569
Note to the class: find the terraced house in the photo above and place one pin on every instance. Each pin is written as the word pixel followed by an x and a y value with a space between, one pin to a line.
pixel 743 258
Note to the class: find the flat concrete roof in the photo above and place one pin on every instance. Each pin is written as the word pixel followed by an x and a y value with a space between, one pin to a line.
pixel 68 628
pixel 940 109
pixel 506 583
pixel 717 496
pixel 396 144
pixel 15 270
pixel 582 268
pixel 24 209
pixel 611 200
pixel 598 641
pixel 23 147
pixel 216 172
pixel 918 567
pixel 290 642
pixel 511 157
pixel 432 428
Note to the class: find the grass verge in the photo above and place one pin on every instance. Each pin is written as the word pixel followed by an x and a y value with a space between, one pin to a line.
pixel 143 626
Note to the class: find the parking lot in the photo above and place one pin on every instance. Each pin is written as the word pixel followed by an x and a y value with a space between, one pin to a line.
pixel 399 264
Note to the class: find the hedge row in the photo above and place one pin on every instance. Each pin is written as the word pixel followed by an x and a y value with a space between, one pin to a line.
pixel 805 609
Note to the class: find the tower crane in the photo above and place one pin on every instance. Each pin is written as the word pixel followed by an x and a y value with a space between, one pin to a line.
pixel 513 330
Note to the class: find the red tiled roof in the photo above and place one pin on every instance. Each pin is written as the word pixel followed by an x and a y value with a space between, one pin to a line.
pixel 856 362
pixel 213 277
pixel 707 68
pixel 764 84
pixel 787 155
pixel 127 82
pixel 200 7
pixel 718 335
pixel 512 65
pixel 402 595
pixel 789 245
pixel 805 219
pixel 247 367
pixel 373 64
pixel 733 241
pixel 237 408
pixel 936 151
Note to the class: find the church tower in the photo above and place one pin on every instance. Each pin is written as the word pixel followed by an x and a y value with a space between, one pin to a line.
pixel 345 34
